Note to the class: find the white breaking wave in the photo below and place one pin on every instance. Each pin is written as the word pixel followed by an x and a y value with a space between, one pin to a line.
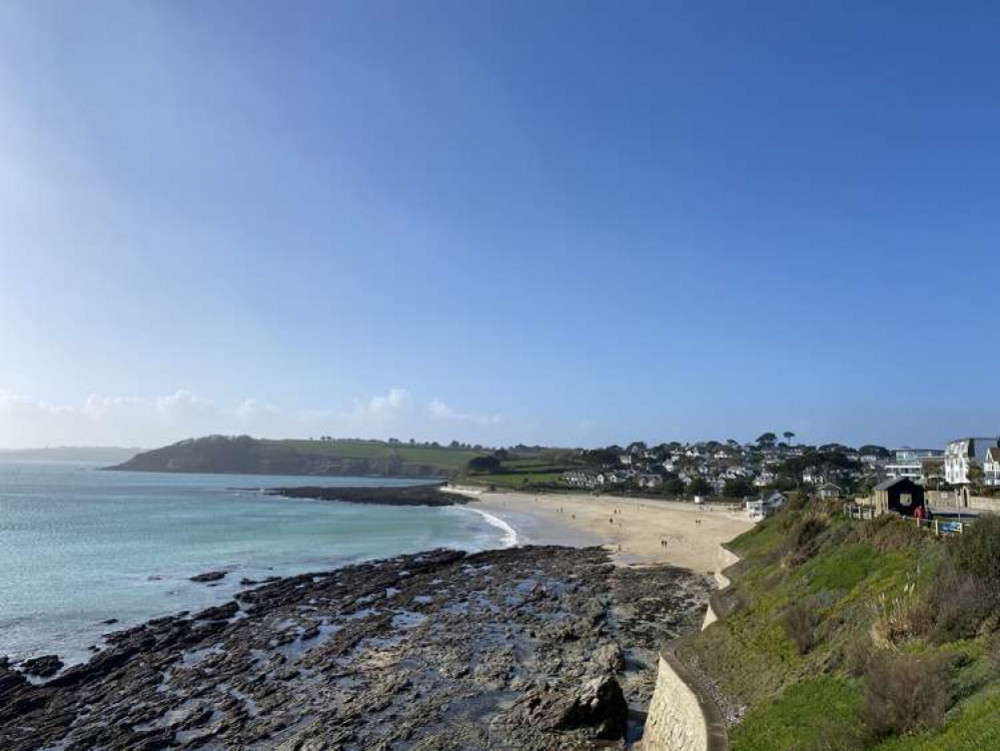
pixel 510 537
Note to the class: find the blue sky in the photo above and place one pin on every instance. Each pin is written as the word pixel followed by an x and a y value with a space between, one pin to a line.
pixel 569 223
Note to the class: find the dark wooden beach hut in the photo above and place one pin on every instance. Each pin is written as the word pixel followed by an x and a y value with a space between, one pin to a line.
pixel 902 496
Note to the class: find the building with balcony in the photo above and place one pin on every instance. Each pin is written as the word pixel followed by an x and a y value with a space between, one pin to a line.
pixel 909 463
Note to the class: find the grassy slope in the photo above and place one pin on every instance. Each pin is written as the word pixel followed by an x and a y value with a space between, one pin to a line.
pixel 800 702
pixel 440 457
pixel 522 473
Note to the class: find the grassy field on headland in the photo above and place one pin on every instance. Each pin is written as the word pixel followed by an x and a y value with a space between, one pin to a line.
pixel 246 455
pixel 436 456
pixel 525 473
pixel 858 635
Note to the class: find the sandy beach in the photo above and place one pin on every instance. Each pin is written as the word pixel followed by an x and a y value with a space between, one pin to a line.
pixel 636 531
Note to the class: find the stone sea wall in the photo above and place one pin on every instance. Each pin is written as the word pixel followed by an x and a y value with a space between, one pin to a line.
pixel 710 616
pixel 727 558
pixel 681 716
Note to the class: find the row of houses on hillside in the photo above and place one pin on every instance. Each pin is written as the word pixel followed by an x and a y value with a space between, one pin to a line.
pixel 587 480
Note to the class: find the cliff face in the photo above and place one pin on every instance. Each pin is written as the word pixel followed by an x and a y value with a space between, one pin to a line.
pixel 245 455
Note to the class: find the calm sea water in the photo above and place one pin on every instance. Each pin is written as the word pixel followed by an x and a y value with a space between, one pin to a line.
pixel 79 545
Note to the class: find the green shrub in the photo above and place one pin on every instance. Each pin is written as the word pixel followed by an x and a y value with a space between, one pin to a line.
pixel 964 598
pixel 800 625
pixel 959 603
pixel 887 532
pixel 904 693
pixel 806 538
pixel 977 550
pixel 798 500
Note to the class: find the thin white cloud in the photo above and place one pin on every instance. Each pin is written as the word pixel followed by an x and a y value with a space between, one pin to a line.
pixel 438 409
pixel 26 421
pixel 397 400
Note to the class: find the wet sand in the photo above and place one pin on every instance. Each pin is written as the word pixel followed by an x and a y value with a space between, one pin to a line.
pixel 636 531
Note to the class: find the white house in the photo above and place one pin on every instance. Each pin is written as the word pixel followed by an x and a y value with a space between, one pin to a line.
pixel 991 468
pixel 959 453
pixel 765 506
pixel 813 476
pixel 765 478
pixel 580 479
pixel 829 490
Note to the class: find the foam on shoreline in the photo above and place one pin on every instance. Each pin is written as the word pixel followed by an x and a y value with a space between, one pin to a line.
pixel 510 539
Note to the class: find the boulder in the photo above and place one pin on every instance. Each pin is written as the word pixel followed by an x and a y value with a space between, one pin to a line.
pixel 209 576
pixel 43 666
pixel 599 704
pixel 218 613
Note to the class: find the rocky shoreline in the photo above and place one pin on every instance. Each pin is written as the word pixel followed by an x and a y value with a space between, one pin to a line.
pixel 535 648
pixel 403 495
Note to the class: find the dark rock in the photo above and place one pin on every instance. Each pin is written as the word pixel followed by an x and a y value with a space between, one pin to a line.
pixel 109 622
pixel 457 657
pixel 404 495
pixel 43 666
pixel 218 613
pixel 10 680
pixel 599 704
pixel 209 576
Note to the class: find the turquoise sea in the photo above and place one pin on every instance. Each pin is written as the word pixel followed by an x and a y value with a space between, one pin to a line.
pixel 79 545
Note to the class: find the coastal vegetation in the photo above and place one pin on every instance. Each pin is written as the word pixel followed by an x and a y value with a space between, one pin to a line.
pixel 521 469
pixel 843 634
pixel 518 472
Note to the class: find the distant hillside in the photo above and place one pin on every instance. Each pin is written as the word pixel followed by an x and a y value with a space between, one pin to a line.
pixel 103 454
pixel 245 455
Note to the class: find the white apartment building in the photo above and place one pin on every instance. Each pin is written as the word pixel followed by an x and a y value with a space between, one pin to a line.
pixel 908 462
pixel 959 453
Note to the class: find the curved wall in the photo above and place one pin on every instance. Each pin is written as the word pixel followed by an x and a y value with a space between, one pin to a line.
pixel 681 716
